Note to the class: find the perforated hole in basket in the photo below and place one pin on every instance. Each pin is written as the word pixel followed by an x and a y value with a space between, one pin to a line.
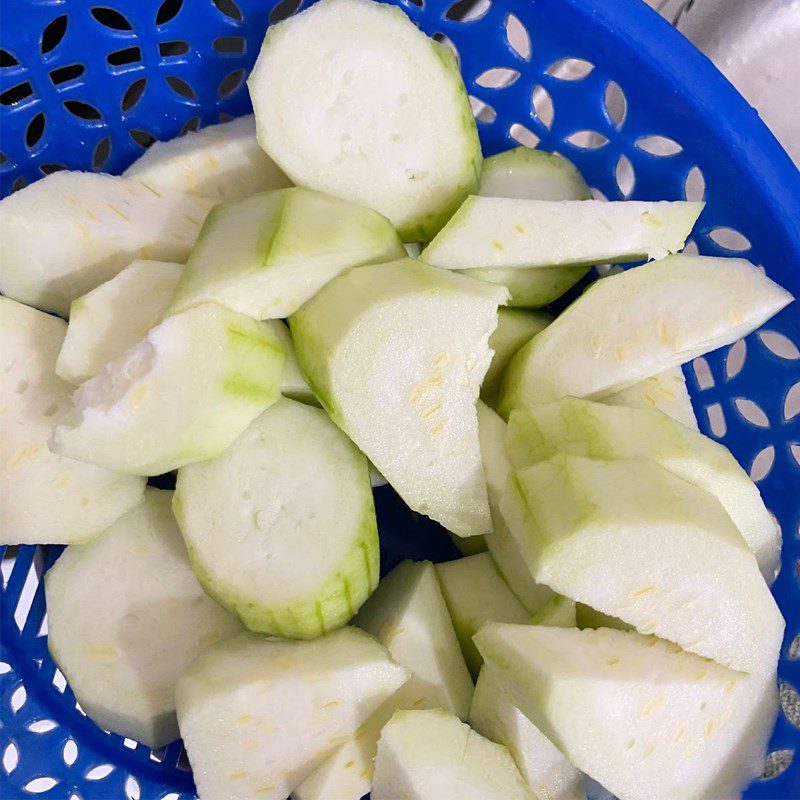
pixel 102 82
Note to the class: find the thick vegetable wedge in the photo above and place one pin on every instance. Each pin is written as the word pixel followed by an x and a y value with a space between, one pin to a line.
pixel 259 715
pixel 557 612
pixel 408 616
pixel 405 392
pixel 515 327
pixel 595 430
pixel 664 314
pixel 431 755
pixel 667 392
pixel 72 231
pixel 519 234
pixel 404 144
pixel 530 288
pixel 181 395
pixel 475 594
pixel 281 527
pixel 500 541
pixel 46 498
pixel 222 161
pixel 633 540
pixel 646 720
pixel 268 254
pixel 126 616
pixel 294 384
pixel 546 770
pixel 116 315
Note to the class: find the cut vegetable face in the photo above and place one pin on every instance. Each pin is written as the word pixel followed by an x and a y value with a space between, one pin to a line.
pixel 258 715
pixel 223 162
pixel 632 540
pixel 519 234
pixel 266 255
pixel 667 392
pixel 514 328
pixel 46 498
pixel 181 395
pixel 646 720
pixel 476 594
pixel 71 231
pixel 294 384
pixel 665 313
pixel 405 393
pixel 116 315
pixel 126 616
pixel 430 755
pixel 549 773
pixel 407 614
pixel 595 430
pixel 531 288
pixel 527 174
pixel 500 541
pixel 281 527
pixel 405 145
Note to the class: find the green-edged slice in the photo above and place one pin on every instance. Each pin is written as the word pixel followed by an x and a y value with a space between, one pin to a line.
pixel 639 323
pixel 294 384
pixel 646 720
pixel 475 594
pixel 500 541
pixel 281 527
pixel 545 769
pixel 352 99
pixel 181 395
pixel 396 353
pixel 45 498
pixel 222 161
pixel 557 612
pixel 522 234
pixel 515 327
pixel 595 430
pixel 71 231
pixel 266 255
pixel 530 288
pixel 632 540
pixel 116 315
pixel 126 616
pixel 259 715
pixel 432 755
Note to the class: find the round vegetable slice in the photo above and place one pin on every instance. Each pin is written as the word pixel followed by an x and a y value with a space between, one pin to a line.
pixel 182 394
pixel 126 616
pixel 46 498
pixel 352 99
pixel 281 527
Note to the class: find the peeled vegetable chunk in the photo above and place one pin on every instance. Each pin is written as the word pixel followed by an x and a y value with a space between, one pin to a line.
pixel 523 173
pixel 183 394
pixel 126 616
pixel 530 288
pixel 71 231
pixel 402 390
pixel 500 541
pixel 258 715
pixel 45 498
pixel 634 541
pixel 116 315
pixel 557 612
pixel 543 767
pixel 514 328
pixel 223 162
pixel 475 593
pixel 667 392
pixel 646 720
pixel 294 384
pixel 512 233
pixel 430 755
pixel 665 313
pixel 352 99
pixel 268 254
pixel 407 614
pixel 281 527
pixel 594 430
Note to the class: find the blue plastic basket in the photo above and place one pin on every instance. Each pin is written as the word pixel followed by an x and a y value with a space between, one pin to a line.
pixel 87 87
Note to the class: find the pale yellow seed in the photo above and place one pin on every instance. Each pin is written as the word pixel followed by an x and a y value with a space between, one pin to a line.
pixel 648 750
pixel 62 480
pixel 643 590
pixel 650 707
pixel 118 212
pixel 138 395
pixel 431 410
pixel 442 359
pixel 709 729
pixel 437 429
pixel 619 355
pixel 26 453
pixel 595 343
